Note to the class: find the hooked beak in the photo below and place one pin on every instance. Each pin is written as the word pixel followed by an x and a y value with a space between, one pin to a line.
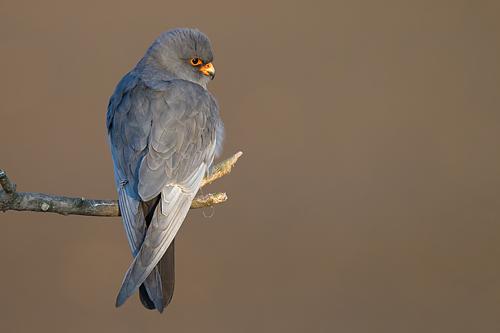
pixel 208 70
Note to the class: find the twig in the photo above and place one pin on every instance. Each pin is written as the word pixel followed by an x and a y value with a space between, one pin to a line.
pixel 221 169
pixel 40 202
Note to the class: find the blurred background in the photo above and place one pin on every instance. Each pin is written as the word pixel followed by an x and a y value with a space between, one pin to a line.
pixel 368 198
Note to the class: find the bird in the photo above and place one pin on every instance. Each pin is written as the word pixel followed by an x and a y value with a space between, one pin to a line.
pixel 164 132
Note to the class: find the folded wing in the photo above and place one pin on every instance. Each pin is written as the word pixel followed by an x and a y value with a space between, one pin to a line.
pixel 179 149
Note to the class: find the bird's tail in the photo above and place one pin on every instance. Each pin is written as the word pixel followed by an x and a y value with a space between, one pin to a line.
pixel 167 219
pixel 166 271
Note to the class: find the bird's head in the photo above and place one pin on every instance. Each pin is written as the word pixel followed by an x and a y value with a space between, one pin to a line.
pixel 182 54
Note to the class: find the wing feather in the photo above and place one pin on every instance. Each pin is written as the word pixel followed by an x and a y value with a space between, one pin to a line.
pixel 180 151
pixel 128 140
pixel 166 222
pixel 163 143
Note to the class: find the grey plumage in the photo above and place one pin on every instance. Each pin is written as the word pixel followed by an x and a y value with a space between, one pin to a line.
pixel 164 129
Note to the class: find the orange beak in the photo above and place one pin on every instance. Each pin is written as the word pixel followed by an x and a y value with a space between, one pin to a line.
pixel 208 70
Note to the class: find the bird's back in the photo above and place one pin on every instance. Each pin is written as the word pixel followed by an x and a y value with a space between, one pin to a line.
pixel 160 136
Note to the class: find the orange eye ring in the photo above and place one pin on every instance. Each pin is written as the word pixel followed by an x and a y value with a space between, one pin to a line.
pixel 196 61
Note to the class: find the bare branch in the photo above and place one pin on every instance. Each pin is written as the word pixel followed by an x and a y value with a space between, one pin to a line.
pixel 40 202
pixel 6 184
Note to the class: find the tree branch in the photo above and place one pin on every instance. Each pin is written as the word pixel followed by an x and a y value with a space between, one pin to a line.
pixel 40 202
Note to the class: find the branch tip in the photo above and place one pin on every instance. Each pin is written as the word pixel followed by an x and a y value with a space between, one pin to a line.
pixel 221 169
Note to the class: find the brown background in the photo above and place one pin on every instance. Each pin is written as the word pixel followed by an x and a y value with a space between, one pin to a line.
pixel 368 198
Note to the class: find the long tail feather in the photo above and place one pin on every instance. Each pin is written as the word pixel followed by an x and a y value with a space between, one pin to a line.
pixel 167 219
pixel 160 298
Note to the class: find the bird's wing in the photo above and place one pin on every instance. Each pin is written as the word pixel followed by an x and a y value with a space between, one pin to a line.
pixel 180 149
pixel 129 123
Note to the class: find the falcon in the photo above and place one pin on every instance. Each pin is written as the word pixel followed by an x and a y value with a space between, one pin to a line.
pixel 164 131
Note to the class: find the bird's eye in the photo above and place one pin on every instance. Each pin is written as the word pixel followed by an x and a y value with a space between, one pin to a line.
pixel 196 61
